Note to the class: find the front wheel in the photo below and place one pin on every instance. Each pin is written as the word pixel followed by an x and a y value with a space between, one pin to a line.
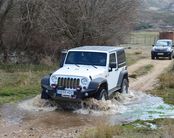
pixel 44 95
pixel 102 95
pixel 124 86
pixel 152 57
pixel 171 56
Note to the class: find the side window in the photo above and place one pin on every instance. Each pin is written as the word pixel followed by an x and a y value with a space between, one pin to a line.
pixel 112 60
pixel 121 57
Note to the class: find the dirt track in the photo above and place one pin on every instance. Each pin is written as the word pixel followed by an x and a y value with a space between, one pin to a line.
pixel 148 81
pixel 44 127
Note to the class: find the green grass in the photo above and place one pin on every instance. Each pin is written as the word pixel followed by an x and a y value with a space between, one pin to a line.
pixel 142 71
pixel 18 82
pixel 14 94
pixel 132 58
pixel 12 68
pixel 166 86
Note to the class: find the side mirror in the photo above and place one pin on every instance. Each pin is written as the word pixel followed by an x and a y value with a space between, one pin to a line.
pixel 111 66
pixel 152 45
pixel 110 69
pixel 62 58
pixel 172 45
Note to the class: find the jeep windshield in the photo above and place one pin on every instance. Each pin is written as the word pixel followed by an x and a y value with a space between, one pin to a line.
pixel 86 58
pixel 163 43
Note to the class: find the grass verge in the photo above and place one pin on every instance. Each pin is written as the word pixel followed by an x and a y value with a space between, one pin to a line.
pixel 18 82
pixel 166 86
pixel 132 58
pixel 142 71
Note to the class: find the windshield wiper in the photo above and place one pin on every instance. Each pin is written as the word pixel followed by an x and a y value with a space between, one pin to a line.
pixel 94 66
pixel 77 65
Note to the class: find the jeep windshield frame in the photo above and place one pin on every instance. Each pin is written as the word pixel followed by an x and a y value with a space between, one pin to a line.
pixel 86 58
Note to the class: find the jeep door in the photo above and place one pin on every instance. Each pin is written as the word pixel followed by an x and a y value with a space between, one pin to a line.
pixel 113 73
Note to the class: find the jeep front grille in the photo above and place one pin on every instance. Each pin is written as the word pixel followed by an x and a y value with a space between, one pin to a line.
pixel 70 83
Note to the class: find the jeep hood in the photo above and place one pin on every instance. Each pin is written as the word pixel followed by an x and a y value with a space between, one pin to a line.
pixel 81 70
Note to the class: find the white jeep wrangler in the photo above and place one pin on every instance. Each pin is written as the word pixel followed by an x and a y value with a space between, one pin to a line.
pixel 88 71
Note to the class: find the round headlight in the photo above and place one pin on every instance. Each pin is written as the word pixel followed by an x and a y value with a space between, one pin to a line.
pixel 84 81
pixel 54 79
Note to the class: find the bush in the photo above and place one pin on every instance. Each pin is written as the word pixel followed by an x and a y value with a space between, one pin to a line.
pixel 167 80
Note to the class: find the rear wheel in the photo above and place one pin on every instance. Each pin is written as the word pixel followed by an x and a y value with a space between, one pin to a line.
pixel 102 94
pixel 124 86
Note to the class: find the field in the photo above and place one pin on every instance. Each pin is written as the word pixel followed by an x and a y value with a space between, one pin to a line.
pixel 20 82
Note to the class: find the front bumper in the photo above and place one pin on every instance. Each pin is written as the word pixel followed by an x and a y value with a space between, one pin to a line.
pixel 76 97
pixel 161 54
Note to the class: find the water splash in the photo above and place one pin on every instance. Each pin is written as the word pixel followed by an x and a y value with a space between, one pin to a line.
pixel 129 107
pixel 37 104
pixel 122 108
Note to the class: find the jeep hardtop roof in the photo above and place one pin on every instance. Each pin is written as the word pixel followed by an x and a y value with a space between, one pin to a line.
pixel 97 48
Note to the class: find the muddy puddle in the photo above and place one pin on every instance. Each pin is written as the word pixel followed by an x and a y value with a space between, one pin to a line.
pixel 121 109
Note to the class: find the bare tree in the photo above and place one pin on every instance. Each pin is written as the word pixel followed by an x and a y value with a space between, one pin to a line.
pixel 5 7
pixel 38 28
pixel 29 38
pixel 89 21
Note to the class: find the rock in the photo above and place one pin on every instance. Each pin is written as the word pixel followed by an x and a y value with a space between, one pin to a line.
pixel 31 128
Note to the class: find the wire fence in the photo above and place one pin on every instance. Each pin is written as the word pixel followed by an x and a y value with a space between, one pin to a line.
pixel 143 39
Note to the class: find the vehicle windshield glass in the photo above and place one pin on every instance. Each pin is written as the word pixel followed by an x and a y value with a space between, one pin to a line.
pixel 86 58
pixel 163 43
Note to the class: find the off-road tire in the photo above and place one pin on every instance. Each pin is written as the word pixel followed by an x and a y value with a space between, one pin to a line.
pixel 152 57
pixel 170 57
pixel 44 95
pixel 102 94
pixel 124 86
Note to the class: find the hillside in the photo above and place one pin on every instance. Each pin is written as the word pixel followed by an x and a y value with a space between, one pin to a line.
pixel 162 5
pixel 156 14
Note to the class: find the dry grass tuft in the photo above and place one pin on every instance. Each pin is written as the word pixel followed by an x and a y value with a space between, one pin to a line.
pixel 167 80
pixel 141 71
pixel 103 131
pixel 138 52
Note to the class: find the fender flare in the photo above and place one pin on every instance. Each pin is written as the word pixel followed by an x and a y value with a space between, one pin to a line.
pixel 123 74
pixel 97 83
pixel 45 82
